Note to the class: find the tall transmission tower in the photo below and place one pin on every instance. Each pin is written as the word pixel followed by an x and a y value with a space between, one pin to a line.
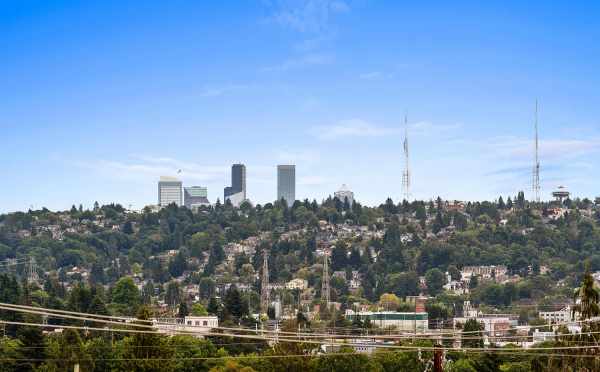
pixel 31 271
pixel 406 173
pixel 325 292
pixel 264 288
pixel 536 167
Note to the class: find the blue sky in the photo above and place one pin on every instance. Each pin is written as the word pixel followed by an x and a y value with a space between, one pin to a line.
pixel 98 99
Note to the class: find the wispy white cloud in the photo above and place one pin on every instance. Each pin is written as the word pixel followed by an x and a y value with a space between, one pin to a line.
pixel 313 59
pixel 310 104
pixel 216 91
pixel 510 160
pixel 311 44
pixel 308 156
pixel 351 128
pixel 373 75
pixel 376 75
pixel 363 128
pixel 306 15
pixel 426 128
pixel 151 168
pixel 313 181
pixel 514 147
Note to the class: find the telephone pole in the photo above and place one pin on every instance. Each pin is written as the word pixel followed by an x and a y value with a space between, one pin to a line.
pixel 438 356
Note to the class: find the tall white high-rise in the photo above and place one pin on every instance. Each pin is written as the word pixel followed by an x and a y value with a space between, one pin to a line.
pixel 169 191
pixel 344 194
pixel 286 183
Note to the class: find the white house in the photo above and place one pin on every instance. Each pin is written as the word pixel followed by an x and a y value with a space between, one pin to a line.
pixel 297 283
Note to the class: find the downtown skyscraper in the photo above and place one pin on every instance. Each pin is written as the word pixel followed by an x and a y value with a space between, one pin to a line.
pixel 286 183
pixel 169 191
pixel 236 193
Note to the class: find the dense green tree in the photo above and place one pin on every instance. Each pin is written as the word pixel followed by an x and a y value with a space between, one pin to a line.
pixel 472 335
pixel 588 297
pixel 173 294
pixel 235 306
pixel 339 257
pixel 183 311
pixel 125 296
pixel 146 351
pixel 435 280
pixel 462 365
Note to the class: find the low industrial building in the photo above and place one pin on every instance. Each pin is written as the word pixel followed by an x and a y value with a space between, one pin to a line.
pixel 408 322
pixel 198 325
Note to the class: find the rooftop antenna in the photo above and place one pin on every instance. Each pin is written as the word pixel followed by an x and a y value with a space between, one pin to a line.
pixel 406 173
pixel 536 166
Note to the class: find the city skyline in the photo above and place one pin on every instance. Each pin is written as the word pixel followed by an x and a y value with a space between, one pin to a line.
pixel 94 115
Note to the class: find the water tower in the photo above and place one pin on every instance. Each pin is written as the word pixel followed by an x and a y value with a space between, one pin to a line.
pixel 561 194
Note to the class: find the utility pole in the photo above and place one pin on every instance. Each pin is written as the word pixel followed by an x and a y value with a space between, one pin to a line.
pixel 406 173
pixel 437 358
pixel 264 290
pixel 536 167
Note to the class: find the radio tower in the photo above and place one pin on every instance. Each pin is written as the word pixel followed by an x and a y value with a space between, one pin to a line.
pixel 536 166
pixel 406 173
pixel 264 288
pixel 325 296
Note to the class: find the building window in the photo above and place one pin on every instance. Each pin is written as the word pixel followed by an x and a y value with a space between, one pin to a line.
pixel 205 323
pixel 197 322
pixel 189 322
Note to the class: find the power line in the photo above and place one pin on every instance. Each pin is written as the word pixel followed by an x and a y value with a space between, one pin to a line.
pixel 404 348
pixel 128 321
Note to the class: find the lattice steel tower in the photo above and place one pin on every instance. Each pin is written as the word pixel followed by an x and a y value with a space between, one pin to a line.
pixel 406 173
pixel 264 288
pixel 536 167
pixel 325 292
pixel 31 271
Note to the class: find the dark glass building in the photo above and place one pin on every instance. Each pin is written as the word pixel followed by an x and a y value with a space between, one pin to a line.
pixel 236 193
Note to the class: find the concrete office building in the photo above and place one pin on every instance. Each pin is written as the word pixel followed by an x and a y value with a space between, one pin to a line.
pixel 169 191
pixel 236 193
pixel 286 183
pixel 195 196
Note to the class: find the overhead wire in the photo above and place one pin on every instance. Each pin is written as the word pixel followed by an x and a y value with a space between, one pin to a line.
pixel 277 333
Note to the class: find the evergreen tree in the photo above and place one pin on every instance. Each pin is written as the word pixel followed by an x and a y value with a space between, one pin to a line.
pixel 339 257
pixel 234 304
pixel 501 204
pixel 183 310
pixel 145 352
pixel 435 280
pixel 588 297
pixel 213 306
pixel 125 296
pixel 472 335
